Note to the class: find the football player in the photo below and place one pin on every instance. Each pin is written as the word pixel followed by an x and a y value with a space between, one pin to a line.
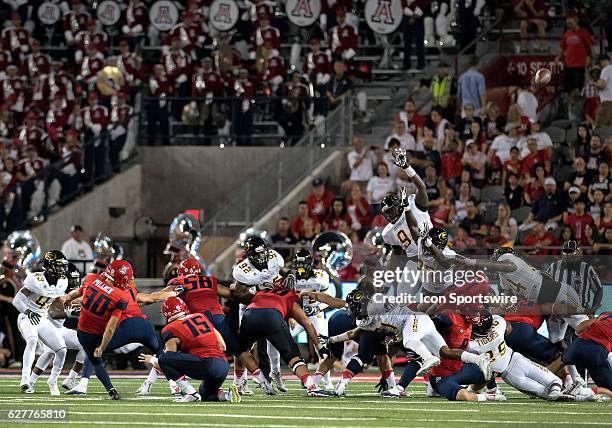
pixel 488 338
pixel 201 295
pixel 307 278
pixel 258 271
pixel 59 313
pixel 102 308
pixel 132 327
pixel 39 291
pixel 266 317
pixel 194 348
pixel 437 276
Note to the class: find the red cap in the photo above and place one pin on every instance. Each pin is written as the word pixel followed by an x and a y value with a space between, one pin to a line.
pixel 121 273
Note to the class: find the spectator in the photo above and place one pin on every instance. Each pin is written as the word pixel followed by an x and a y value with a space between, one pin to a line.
pixel 450 136
pixel 493 239
pixel 547 209
pixel 339 87
pixel 70 171
pixel 344 227
pixel 494 123
pixel 160 88
pixel 414 122
pixel 474 160
pixel 576 47
pixel 387 158
pixel 33 194
pixel 436 187
pixel 407 141
pixel 464 126
pixel 590 238
pixel 379 186
pixel 528 101
pixel 463 240
pixel 578 221
pixel 283 236
pixel 566 234
pixel 473 223
pixel 121 114
pixel 414 29
pixel 517 117
pixel 445 211
pixel 451 164
pixel 529 162
pixel 76 248
pixel 604 245
pixel 428 156
pixel 472 89
pixel 531 12
pixel 604 84
pixel 360 161
pixel 573 194
pixel 507 225
pixel 596 205
pixel 580 177
pixel 336 214
pixel 460 208
pixel 343 37
pixel 242 113
pixel 443 90
pixel 319 201
pixel 359 211
pixel 601 182
pixel 594 155
pixel 538 238
pixel 605 220
pixel 310 229
pixel 134 22
pixel 590 94
pixel 298 222
pixel 499 152
pixel 512 165
pixel 439 124
pixel 96 121
pixel 583 138
pixel 513 192
pixel 545 144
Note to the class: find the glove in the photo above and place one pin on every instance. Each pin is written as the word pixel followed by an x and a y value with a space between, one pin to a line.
pixel 264 286
pixel 311 310
pixel 404 197
pixel 33 317
pixel 322 347
pixel 400 159
pixel 290 282
pixel 382 385
pixel 73 311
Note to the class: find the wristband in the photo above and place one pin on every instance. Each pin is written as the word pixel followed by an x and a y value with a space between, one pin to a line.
pixel 410 172
pixel 154 361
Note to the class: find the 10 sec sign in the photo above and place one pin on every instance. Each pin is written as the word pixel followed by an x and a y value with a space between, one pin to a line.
pixel 526 66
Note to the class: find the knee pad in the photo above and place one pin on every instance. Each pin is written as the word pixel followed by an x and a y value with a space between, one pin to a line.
pixel 297 364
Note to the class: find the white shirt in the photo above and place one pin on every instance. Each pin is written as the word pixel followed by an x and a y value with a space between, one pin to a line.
pixel 543 139
pixel 364 171
pixel 502 145
pixel 407 141
pixel 606 75
pixel 529 104
pixel 380 187
pixel 74 250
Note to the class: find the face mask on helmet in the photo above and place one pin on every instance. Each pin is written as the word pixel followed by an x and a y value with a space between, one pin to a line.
pixel 357 302
pixel 302 263
pixel 259 257
pixel 391 208
pixel 502 250
pixel 482 323
pixel 55 263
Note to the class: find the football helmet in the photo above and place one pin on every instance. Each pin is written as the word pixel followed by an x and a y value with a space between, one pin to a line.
pixel 55 263
pixel 481 324
pixel 303 263
pixel 74 277
pixel 121 273
pixel 257 251
pixel 189 267
pixel 392 208
pixel 439 237
pixel 357 301
pixel 173 308
pixel 502 250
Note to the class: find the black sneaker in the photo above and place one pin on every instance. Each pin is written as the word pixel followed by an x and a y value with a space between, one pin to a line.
pixel 114 395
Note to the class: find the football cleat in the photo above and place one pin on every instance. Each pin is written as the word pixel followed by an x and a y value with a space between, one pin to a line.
pixel 188 398
pixel 268 388
pixel 146 389
pixel 496 395
pixel 431 392
pixel 114 395
pixel 53 388
pixel 573 389
pixel 30 390
pixel 316 392
pixel 279 381
pixel 174 388
pixel 340 390
pixel 432 362
pixel 78 390
pixel 256 382
pixel 244 389
pixel 599 398
pixel 234 394
pixel 402 391
pixel 484 363
pixel 391 393
pixel 24 387
pixel 69 384
pixel 557 395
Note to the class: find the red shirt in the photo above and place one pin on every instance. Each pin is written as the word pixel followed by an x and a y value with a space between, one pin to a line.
pixel 532 240
pixel 199 293
pixel 529 161
pixel 576 45
pixel 319 207
pixel 100 302
pixel 281 299
pixel 578 224
pixel 133 308
pixel 600 331
pixel 528 313
pixel 196 335
pixel 457 336
pixel 451 165
pixel 297 225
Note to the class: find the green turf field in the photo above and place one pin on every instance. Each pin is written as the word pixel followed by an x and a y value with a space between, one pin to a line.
pixel 362 408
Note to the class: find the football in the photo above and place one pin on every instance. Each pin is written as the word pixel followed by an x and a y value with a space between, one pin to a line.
pixel 542 76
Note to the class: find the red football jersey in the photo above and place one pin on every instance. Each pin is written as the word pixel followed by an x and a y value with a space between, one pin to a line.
pixel 133 308
pixel 600 331
pixel 196 336
pixel 100 302
pixel 281 299
pixel 457 336
pixel 199 293
pixel 528 313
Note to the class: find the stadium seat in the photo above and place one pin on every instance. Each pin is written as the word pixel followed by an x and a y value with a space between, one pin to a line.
pixel 557 135
pixel 492 193
pixel 520 214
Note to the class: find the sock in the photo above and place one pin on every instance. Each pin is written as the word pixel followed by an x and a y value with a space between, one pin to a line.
pixel 307 381
pixel 274 356
pixel 316 378
pixel 238 376
pixel 258 374
pixel 72 375
pixel 390 377
pixel 481 397
pixel 152 378
pixel 58 364
pixel 327 377
pixel 83 382
pixel 346 376
pixel 410 371
pixel 185 386
pixel 567 382
pixel 33 378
